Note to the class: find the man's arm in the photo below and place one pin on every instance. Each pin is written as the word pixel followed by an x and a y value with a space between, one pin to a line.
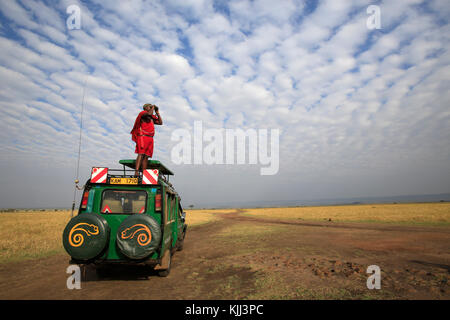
pixel 159 120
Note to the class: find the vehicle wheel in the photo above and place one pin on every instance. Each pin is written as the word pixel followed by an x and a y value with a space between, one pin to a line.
pixel 83 271
pixel 88 272
pixel 102 272
pixel 181 243
pixel 165 272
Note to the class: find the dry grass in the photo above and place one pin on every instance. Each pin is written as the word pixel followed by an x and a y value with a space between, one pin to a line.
pixel 411 213
pixel 31 234
pixel 199 217
pixel 35 234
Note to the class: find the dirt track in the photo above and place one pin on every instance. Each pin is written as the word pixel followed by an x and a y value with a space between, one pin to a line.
pixel 241 257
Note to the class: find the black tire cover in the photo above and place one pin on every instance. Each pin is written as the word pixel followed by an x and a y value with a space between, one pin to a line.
pixel 138 236
pixel 86 236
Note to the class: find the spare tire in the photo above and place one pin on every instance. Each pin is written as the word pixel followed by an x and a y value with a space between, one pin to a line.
pixel 138 236
pixel 86 236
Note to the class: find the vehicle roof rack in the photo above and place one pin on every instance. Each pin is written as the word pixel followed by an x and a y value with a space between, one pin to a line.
pixel 152 164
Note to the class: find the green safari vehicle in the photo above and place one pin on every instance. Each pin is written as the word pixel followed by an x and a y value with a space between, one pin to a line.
pixel 123 219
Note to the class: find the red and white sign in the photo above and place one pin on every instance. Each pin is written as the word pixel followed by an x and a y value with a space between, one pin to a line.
pixel 99 175
pixel 106 209
pixel 150 176
pixel 142 210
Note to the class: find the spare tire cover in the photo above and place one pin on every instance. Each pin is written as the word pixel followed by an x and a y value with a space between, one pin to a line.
pixel 86 236
pixel 138 236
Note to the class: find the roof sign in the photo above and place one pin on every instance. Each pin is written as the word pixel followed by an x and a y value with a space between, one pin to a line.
pixel 150 176
pixel 99 175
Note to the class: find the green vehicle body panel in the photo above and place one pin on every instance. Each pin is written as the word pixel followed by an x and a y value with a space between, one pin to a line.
pixel 170 203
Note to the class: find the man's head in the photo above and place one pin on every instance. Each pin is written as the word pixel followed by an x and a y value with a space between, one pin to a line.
pixel 148 107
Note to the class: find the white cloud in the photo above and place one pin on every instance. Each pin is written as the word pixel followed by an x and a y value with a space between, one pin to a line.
pixel 351 103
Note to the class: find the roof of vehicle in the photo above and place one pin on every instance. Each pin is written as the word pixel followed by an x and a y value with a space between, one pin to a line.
pixel 152 164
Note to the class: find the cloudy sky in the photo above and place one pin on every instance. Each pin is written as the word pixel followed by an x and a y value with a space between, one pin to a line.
pixel 361 112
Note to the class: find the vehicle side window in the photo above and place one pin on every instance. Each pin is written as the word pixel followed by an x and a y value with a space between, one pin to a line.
pixel 166 208
pixel 173 207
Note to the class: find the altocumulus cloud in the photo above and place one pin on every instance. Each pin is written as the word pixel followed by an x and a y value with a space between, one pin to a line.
pixel 360 112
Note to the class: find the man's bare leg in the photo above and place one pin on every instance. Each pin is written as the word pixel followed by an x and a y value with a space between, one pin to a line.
pixel 144 162
pixel 138 164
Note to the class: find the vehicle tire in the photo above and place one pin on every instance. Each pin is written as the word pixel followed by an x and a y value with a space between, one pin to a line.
pixel 138 236
pixel 86 236
pixel 102 272
pixel 88 272
pixel 164 273
pixel 181 243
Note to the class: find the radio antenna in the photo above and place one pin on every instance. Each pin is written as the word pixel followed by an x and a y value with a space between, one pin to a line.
pixel 79 150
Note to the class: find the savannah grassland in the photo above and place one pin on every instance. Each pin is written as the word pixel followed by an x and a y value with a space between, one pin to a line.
pixel 34 234
pixel 408 213
pixel 265 253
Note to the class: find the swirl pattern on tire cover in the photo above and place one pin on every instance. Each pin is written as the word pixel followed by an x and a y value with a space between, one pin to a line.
pixel 144 234
pixel 76 236
pixel 138 236
pixel 86 236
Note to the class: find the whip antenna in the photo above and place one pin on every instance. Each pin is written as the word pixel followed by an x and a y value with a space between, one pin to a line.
pixel 79 150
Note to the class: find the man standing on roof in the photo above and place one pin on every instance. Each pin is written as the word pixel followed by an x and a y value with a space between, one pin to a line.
pixel 143 132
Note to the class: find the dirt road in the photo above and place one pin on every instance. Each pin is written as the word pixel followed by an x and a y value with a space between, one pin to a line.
pixel 242 257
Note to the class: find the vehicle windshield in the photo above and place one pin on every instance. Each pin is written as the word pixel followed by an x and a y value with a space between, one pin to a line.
pixel 124 201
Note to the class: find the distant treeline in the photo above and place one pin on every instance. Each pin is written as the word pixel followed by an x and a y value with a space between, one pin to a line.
pixel 442 197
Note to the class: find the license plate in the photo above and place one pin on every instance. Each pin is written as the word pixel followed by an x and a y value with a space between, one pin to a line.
pixel 123 180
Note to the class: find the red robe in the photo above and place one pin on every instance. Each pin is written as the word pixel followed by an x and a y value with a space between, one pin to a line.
pixel 137 125
pixel 142 133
